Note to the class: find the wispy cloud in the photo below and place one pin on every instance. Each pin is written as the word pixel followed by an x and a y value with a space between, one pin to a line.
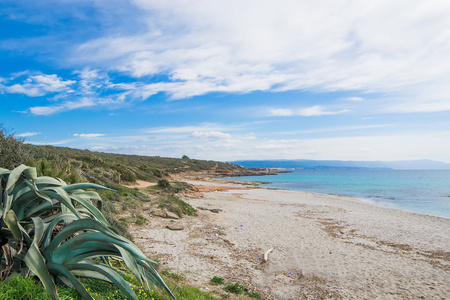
pixel 39 85
pixel 187 129
pixel 89 135
pixel 288 46
pixel 211 134
pixel 65 106
pixel 338 129
pixel 355 99
pixel 28 134
pixel 312 111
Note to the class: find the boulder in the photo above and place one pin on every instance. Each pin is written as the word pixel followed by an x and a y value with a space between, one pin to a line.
pixel 175 227
pixel 158 212
pixel 171 215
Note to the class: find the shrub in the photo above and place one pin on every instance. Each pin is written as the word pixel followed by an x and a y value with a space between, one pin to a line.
pixel 216 280
pixel 176 205
pixel 234 288
pixel 12 150
pixel 163 183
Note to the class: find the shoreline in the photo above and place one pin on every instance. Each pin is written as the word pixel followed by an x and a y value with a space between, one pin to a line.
pixel 385 204
pixel 325 246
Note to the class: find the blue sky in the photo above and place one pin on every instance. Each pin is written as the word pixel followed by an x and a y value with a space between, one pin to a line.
pixel 230 80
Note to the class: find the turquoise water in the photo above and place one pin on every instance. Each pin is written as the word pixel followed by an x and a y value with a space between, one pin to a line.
pixel 424 191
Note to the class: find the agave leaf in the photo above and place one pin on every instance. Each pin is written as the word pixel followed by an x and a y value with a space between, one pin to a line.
pixel 46 181
pixel 40 209
pixel 13 177
pixel 92 209
pixel 150 273
pixel 13 224
pixel 78 243
pixel 131 263
pixel 117 280
pixel 78 225
pixel 32 185
pixel 30 173
pixel 62 196
pixel 34 260
pixel 78 186
pixel 60 269
pixel 39 228
pixel 87 194
pixel 53 222
pixel 90 274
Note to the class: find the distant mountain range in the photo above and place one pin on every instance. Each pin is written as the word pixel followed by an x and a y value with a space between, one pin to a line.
pixel 423 164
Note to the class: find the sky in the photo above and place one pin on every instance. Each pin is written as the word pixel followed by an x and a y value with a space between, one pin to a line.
pixel 230 79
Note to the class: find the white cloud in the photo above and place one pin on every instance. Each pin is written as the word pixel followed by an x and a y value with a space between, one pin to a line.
pixel 89 135
pixel 76 104
pixel 187 129
pixel 281 112
pixel 65 106
pixel 211 134
pixel 355 99
pixel 316 110
pixel 235 46
pixel 338 128
pixel 28 134
pixel 40 85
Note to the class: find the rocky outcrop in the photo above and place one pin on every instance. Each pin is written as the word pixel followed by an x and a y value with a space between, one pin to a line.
pixel 157 212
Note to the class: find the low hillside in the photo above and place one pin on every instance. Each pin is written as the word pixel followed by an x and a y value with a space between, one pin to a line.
pixel 108 168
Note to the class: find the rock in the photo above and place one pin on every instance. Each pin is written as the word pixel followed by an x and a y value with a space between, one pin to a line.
pixel 202 208
pixel 175 227
pixel 215 210
pixel 171 215
pixel 158 212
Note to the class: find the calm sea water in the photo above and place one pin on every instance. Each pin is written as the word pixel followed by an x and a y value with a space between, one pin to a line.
pixel 422 191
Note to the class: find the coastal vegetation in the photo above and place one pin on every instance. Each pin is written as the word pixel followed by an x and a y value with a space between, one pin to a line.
pixel 45 211
pixel 56 232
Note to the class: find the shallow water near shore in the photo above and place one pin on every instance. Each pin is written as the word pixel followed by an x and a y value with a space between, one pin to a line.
pixel 420 191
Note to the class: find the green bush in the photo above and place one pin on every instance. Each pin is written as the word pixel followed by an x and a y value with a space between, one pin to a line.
pixel 234 288
pixel 12 150
pixel 163 183
pixel 176 205
pixel 216 280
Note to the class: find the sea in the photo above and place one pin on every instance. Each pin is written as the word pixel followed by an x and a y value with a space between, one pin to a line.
pixel 420 191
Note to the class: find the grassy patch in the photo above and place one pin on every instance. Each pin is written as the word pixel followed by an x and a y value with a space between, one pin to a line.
pixel 234 288
pixel 176 205
pixel 173 276
pixel 254 295
pixel 216 280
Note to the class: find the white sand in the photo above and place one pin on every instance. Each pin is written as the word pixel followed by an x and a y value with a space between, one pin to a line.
pixel 325 246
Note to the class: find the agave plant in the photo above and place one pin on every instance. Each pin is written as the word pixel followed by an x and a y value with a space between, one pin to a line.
pixel 53 231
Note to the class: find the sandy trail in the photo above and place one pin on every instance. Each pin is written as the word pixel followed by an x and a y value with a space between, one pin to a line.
pixel 325 247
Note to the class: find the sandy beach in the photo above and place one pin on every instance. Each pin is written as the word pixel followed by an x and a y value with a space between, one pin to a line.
pixel 324 246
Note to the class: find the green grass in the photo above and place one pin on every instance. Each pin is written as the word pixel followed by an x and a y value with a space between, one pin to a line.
pixel 21 288
pixel 254 295
pixel 235 288
pixel 176 205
